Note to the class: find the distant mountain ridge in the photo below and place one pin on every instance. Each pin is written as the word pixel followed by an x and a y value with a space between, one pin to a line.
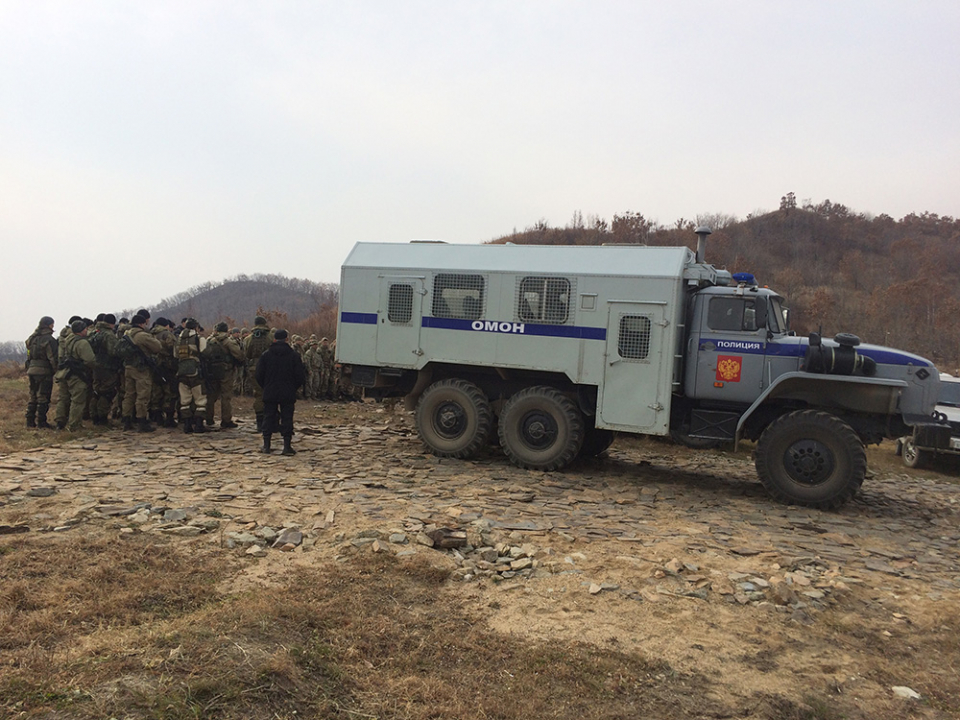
pixel 238 300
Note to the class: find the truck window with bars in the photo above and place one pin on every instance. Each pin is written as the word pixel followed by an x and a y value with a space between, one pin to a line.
pixel 458 296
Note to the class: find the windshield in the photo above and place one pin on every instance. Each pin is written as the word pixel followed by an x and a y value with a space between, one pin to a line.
pixel 777 317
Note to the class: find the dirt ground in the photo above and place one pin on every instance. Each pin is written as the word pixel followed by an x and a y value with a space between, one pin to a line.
pixel 651 550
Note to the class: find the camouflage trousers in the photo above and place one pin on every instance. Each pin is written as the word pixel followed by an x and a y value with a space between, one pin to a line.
pixel 222 391
pixel 193 397
pixel 164 394
pixel 137 385
pixel 106 382
pixel 72 401
pixel 41 388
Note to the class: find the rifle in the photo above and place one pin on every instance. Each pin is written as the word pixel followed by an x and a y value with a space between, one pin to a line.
pixel 147 360
pixel 75 367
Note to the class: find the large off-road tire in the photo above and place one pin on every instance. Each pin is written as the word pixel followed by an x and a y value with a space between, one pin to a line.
pixel 454 418
pixel 811 458
pixel 595 442
pixel 541 429
pixel 914 457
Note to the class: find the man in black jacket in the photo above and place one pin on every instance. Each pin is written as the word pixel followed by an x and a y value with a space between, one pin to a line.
pixel 280 373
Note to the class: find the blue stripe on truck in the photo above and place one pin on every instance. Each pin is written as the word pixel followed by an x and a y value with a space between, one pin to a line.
pixel 491 326
pixel 516 328
pixel 358 318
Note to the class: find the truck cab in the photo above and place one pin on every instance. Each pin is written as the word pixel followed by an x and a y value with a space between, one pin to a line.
pixel 557 348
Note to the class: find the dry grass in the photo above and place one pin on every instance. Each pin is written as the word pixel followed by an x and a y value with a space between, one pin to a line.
pixel 138 630
pixel 131 627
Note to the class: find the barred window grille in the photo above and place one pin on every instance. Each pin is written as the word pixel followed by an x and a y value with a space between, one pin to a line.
pixel 634 339
pixel 458 296
pixel 544 299
pixel 400 304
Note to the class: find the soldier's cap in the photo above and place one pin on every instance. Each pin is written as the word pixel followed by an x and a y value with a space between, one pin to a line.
pixel 143 313
pixel 78 326
pixel 46 321
pixel 99 318
pixel 138 320
pixel 259 320
pixel 234 331
pixel 88 321
pixel 74 318
pixel 124 320
pixel 280 335
pixel 220 327
pixel 323 340
pixel 191 324
pixel 110 319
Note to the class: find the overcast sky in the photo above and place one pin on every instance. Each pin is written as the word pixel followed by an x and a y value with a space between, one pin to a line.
pixel 147 147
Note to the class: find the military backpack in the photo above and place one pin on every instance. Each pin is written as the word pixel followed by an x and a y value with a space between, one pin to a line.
pixel 129 353
pixel 217 359
pixel 258 342
pixel 99 344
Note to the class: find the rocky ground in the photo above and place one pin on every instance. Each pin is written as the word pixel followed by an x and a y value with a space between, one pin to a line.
pixel 671 553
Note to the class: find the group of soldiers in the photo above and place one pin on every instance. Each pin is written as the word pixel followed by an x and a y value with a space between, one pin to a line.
pixel 160 373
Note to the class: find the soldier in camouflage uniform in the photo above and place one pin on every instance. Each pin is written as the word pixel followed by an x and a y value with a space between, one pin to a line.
pixel 138 375
pixel 74 375
pixel 327 385
pixel 309 358
pixel 193 394
pixel 240 373
pixel 301 349
pixel 122 326
pixel 257 342
pixel 223 356
pixel 42 359
pixel 106 372
pixel 165 394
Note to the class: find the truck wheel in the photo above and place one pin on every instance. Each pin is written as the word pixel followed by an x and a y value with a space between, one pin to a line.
pixel 454 418
pixel 541 429
pixel 595 442
pixel 913 457
pixel 811 458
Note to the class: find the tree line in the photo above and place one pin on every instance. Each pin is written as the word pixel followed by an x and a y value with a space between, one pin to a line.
pixel 891 282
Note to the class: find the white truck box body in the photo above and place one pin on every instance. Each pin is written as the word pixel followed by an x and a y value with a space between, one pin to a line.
pixel 610 288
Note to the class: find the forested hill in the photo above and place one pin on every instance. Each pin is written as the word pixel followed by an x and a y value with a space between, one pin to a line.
pixel 291 302
pixel 300 306
pixel 892 282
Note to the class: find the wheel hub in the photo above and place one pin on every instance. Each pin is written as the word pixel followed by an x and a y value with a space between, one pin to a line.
pixel 809 462
pixel 450 421
pixel 538 430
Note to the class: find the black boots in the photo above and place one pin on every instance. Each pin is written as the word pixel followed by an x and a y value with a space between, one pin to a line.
pixel 198 424
pixel 171 421
pixel 42 416
pixel 266 443
pixel 228 424
pixel 145 425
pixel 127 422
pixel 287 449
